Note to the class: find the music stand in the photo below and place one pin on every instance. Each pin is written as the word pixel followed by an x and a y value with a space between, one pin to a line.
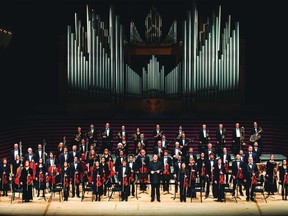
pixel 168 177
pixel 142 176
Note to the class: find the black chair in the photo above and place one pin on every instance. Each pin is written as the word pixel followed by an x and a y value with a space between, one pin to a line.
pixel 198 189
pixel 259 188
pixel 87 187
pixel 227 189
pixel 14 191
pixel 57 188
pixel 116 188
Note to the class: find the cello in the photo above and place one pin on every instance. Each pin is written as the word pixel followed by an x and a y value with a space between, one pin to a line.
pixel 143 170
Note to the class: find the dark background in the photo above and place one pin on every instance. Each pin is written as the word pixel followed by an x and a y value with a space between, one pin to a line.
pixel 29 66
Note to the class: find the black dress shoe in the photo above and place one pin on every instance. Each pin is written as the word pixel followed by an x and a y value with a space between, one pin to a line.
pixel 241 194
pixel 152 200
pixel 158 200
pixel 247 199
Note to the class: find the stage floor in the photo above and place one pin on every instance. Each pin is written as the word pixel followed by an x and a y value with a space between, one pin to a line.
pixel 142 206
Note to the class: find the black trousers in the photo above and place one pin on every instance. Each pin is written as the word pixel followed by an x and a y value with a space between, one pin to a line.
pixel 155 187
pixel 249 190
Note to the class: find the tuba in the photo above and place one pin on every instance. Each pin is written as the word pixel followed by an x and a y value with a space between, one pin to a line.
pixel 256 136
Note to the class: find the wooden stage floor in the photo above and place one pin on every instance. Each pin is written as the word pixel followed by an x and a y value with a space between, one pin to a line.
pixel 142 206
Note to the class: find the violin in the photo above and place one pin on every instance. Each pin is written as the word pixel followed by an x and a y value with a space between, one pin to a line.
pixel 125 181
pixel 132 179
pixel 5 179
pixel 76 178
pixel 193 176
pixel 203 170
pixel 226 167
pixel 166 170
pixel 98 183
pixel 254 180
pixel 186 182
pixel 240 173
pixel 66 182
pixel 286 179
pixel 41 177
pixel 221 179
pixel 90 174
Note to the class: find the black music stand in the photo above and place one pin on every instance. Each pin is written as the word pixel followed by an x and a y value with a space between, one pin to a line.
pixel 168 177
pixel 142 176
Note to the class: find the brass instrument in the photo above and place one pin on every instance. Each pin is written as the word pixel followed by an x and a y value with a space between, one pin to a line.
pixel 207 134
pixel 160 133
pixel 44 153
pixel 223 135
pixel 90 134
pixel 78 137
pixel 256 136
pixel 242 137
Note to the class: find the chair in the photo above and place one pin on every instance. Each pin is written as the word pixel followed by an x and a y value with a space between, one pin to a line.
pixel 87 187
pixel 197 189
pixel 259 188
pixel 57 188
pixel 14 191
pixel 227 189
pixel 116 188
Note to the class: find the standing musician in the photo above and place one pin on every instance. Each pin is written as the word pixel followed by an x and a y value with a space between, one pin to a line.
pixel 60 149
pixel 16 171
pixel 125 145
pixel 283 179
pixel 201 168
pixel 97 181
pixel 226 159
pixel 176 152
pixel 136 136
pixel 184 143
pixel 30 156
pixel 157 134
pixel 105 170
pixel 124 180
pixel 75 169
pixel 119 159
pixel 237 134
pixel 164 142
pixel 121 133
pixel 219 180
pixel 107 136
pixel 66 176
pixel 78 136
pixel 271 176
pixel 250 154
pixel 177 168
pixel 209 149
pixel 210 165
pixel 183 182
pixel 258 151
pixel 143 141
pixel 142 163
pixel 255 133
pixel 65 157
pixel 74 153
pixel 92 156
pixel 15 151
pixel 26 180
pixel 192 175
pixel 158 149
pixel 52 175
pixel 250 178
pixel 179 133
pixel 118 149
pixel 155 169
pixel 220 138
pixel 167 163
pixel 111 165
pixel 91 135
pixel 237 175
pixel 189 155
pixel 39 153
pixel 83 149
pixel 204 137
pixel 4 176
pixel 40 181
pixel 132 165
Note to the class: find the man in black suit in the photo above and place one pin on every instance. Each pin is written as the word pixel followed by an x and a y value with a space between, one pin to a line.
pixel 143 141
pixel 210 163
pixel 167 163
pixel 209 150
pixel 258 151
pixel 74 153
pixel 236 135
pixel 64 157
pixel 226 159
pixel 157 134
pixel 91 135
pixel 75 168
pixel 256 130
pixel 107 136
pixel 220 138
pixel 39 153
pixel 30 156
pixel 179 133
pixel 121 133
pixel 15 151
pixel 142 163
pixel 155 169
pixel 164 142
pixel 250 154
pixel 159 150
pixel 131 163
pixel 204 137
pixel 123 178
pixel 237 174
pixel 189 155
pixel 184 144
pixel 250 173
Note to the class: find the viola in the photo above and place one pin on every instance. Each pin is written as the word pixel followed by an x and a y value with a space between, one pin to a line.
pixel 5 179
pixel 29 180
pixel 98 183
pixel 166 170
pixel 203 171
pixel 132 179
pixel 240 174
pixel 125 181
pixel 143 169
pixel 286 179
pixel 186 182
pixel 226 167
pixel 193 175
pixel 254 180
pixel 221 179
pixel 66 182
pixel 41 177
pixel 76 178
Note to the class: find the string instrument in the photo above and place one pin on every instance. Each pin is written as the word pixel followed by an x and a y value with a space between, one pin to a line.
pixel 5 178
pixel 98 181
pixel 221 179
pixel 226 167
pixel 132 179
pixel 33 166
pixel 160 133
pixel 83 168
pixel 110 164
pixel 18 175
pixel 186 182
pixel 29 178
pixel 203 170
pixel 143 170
pixel 52 171
pixel 193 175
pixel 90 172
pixel 41 177
pixel 125 181
pixel 286 179
pixel 66 182
pixel 166 170
pixel 76 178
pixel 254 180
pixel 240 173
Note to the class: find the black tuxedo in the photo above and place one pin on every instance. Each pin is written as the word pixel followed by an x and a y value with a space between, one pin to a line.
pixel 157 136
pixel 258 152
pixel 155 178
pixel 31 157
pixel 107 139
pixel 219 172
pixel 91 136
pixel 74 172
pixel 38 155
pixel 13 155
pixel 236 141
pixel 184 144
pixel 203 141
pixel 158 150
pixel 62 159
pixel 220 140
pixel 188 156
pixel 246 156
pixel 248 177
pixel 123 177
pixel 74 154
pixel 208 151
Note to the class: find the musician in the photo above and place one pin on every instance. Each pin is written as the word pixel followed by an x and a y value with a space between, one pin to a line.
pixel 220 138
pixel 256 130
pixel 177 167
pixel 238 175
pixel 164 142
pixel 39 153
pixel 226 159
pixel 132 165
pixel 283 179
pixel 105 170
pixel 159 150
pixel 242 155
pixel 192 175
pixel 204 137
pixel 138 148
pixel 121 133
pixel 179 133
pixel 26 180
pixel 52 175
pixel 65 179
pixel 107 136
pixel 97 181
pixel 15 151
pixel 92 156
pixel 74 153
pixel 143 141
pixel 167 163
pixel 83 149
pixel 176 151
pixel 91 135
pixel 78 136
pixel 209 149
pixel 65 157
pixel 250 154
pixel 182 182
pixel 15 165
pixel 155 169
pixel 125 145
pixel 257 150
pixel 119 160
pixel 40 183
pixel 184 143
pixel 142 163
pixel 157 134
pixel 250 174
pixel 60 149
pixel 271 175
pixel 236 135
pixel 189 155
pixel 123 180
pixel 201 168
pixel 75 169
pixel 30 155
pixel 4 176
pixel 136 136
pixel 210 165
pixel 110 162
pixel 219 181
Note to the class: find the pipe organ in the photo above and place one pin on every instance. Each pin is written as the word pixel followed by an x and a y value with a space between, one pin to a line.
pixel 208 69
